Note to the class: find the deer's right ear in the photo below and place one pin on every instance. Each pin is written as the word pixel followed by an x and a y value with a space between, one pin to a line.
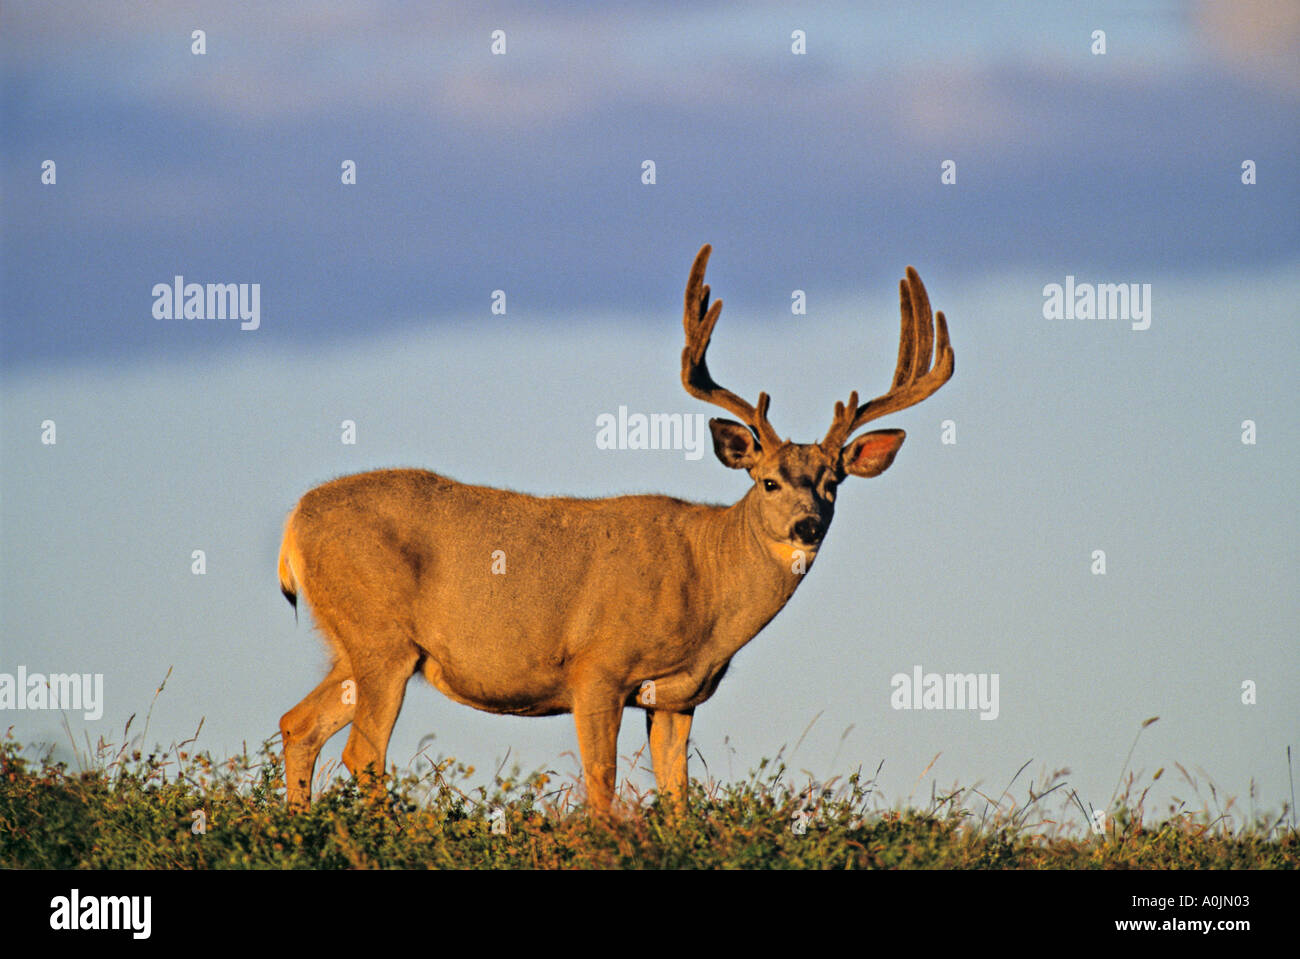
pixel 734 444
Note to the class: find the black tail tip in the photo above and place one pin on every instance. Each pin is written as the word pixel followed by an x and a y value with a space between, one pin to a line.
pixel 292 598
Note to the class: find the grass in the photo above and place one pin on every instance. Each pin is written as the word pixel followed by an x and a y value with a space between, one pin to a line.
pixel 180 809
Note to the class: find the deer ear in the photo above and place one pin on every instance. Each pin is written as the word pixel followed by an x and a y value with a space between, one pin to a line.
pixel 734 444
pixel 871 453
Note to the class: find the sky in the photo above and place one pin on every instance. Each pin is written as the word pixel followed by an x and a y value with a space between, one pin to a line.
pixel 822 172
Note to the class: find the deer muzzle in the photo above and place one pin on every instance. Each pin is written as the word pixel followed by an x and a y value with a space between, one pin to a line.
pixel 808 530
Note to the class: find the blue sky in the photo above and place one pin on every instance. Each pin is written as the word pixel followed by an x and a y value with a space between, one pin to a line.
pixel 818 172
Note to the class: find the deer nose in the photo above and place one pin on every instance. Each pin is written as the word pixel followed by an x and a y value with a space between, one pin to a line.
pixel 808 530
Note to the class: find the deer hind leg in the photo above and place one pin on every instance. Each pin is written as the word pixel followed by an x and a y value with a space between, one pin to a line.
pixel 597 714
pixel 381 686
pixel 669 734
pixel 306 728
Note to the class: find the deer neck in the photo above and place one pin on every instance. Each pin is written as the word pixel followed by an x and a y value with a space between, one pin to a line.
pixel 754 577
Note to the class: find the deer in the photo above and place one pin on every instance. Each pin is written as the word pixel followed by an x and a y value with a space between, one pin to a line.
pixel 537 606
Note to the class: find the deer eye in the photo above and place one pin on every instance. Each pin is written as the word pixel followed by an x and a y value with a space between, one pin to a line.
pixel 771 485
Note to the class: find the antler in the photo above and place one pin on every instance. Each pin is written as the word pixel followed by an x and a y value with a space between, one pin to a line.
pixel 699 318
pixel 914 379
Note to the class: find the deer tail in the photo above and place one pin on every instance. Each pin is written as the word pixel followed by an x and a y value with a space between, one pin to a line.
pixel 288 552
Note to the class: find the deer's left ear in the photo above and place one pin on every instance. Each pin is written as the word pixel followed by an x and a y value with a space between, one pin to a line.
pixel 871 453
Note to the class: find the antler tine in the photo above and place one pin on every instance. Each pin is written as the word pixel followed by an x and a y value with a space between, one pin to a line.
pixel 916 340
pixel 914 377
pixel 699 318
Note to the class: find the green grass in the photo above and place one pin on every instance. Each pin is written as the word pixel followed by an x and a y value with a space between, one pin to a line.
pixel 186 810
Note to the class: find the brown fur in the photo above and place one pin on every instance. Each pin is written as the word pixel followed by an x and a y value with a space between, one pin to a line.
pixel 597 597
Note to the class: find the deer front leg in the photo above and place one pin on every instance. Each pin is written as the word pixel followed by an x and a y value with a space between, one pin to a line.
pixel 668 734
pixel 597 714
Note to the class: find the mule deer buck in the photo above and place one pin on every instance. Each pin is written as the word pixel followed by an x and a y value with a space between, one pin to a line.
pixel 603 603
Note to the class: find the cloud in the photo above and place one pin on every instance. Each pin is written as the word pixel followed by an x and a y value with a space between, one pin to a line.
pixel 1257 39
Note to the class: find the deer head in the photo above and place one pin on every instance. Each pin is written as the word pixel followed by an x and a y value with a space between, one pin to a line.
pixel 793 497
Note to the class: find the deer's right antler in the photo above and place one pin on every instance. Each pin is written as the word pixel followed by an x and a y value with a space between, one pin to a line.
pixel 699 318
